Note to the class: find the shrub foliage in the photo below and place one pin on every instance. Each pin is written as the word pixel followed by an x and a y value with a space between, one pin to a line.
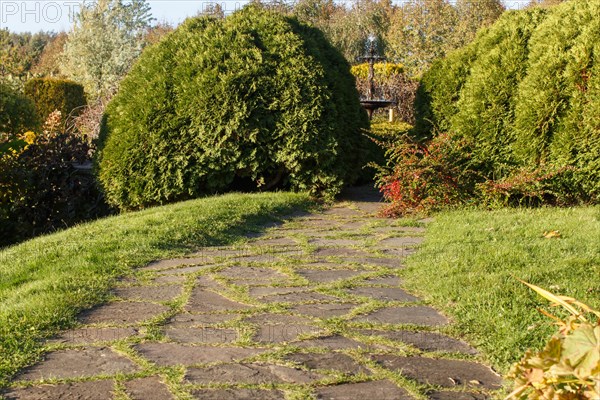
pixel 51 95
pixel 526 95
pixel 255 100
pixel 17 113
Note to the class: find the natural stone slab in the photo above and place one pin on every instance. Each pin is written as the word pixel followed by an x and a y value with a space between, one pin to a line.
pixel 122 312
pixel 150 388
pixel 380 390
pixel 342 212
pixel 267 291
pixel 388 294
pixel 299 297
pixel 149 293
pixel 281 242
pixel 326 310
pixel 202 335
pixel 77 363
pixel 185 270
pixel 169 354
pixel 329 361
pixel 249 374
pixel 322 242
pixel 389 280
pixel 378 261
pixel 253 275
pixel 199 320
pixel 352 226
pixel 203 300
pixel 238 394
pixel 426 341
pixel 394 229
pixel 457 396
pixel 321 276
pixel 420 315
pixel 93 334
pixel 96 390
pixel 334 342
pixel 278 328
pixel 441 372
pixel 401 242
pixel 338 252
pixel 176 262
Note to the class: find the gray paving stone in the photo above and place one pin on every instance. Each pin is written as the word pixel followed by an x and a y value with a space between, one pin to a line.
pixel 149 293
pixel 299 297
pixel 392 262
pixel 323 310
pixel 323 242
pixel 96 390
pixel 419 315
pixel 203 300
pixel 342 212
pixel 329 361
pixel 441 372
pixel 169 279
pixel 426 341
pixel 267 291
pixel 249 374
pixel 338 252
pixel 274 243
pixel 399 229
pixel 122 312
pixel 151 388
pixel 334 342
pixel 168 354
pixel 321 276
pixel 185 270
pixel 380 390
pixel 389 280
pixel 186 320
pixel 279 328
pixel 176 262
pixel 457 396
pixel 78 363
pixel 253 275
pixel 387 294
pixel 238 394
pixel 201 335
pixel 93 334
pixel 400 242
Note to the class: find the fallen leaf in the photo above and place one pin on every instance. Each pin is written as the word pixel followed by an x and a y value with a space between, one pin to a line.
pixel 551 234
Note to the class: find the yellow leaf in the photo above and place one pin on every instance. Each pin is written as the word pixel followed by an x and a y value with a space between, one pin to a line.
pixel 551 234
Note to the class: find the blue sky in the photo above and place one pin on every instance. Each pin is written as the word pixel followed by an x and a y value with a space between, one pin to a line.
pixel 53 15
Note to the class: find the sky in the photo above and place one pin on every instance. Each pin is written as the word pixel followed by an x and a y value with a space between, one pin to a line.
pixel 55 15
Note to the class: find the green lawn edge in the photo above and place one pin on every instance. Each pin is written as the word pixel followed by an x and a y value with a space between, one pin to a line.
pixel 45 282
pixel 470 261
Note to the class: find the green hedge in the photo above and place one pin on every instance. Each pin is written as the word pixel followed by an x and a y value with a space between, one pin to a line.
pixel 526 94
pixel 51 94
pixel 254 101
pixel 17 113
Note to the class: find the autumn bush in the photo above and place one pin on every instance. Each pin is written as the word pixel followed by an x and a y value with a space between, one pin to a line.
pixel 41 190
pixel 254 101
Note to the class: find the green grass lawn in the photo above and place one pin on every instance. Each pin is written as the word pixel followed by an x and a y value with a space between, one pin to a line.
pixel 471 260
pixel 46 281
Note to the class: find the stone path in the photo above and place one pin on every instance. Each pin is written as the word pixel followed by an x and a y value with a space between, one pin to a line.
pixel 312 309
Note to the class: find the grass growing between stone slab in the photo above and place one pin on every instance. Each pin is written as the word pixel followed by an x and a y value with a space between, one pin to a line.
pixel 46 281
pixel 470 262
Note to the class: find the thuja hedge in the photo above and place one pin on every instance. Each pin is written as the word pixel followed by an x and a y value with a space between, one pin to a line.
pixel 526 95
pixel 253 101
pixel 51 94
pixel 17 114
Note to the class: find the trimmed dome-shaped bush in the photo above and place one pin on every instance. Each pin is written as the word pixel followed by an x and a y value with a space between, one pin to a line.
pixel 253 101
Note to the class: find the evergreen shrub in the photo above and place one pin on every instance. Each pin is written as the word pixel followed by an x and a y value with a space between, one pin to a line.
pixel 526 95
pixel 253 101
pixel 51 95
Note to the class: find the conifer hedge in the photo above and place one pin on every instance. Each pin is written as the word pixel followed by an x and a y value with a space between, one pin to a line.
pixel 253 101
pixel 50 94
pixel 526 95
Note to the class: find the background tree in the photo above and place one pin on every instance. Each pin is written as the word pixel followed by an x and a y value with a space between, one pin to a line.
pixel 473 15
pixel 106 39
pixel 20 51
pixel 420 32
pixel 48 63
